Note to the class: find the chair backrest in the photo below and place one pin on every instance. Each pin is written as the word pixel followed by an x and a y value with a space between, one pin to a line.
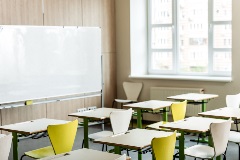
pixel 62 136
pixel 132 90
pixel 179 110
pixel 163 147
pixel 120 121
pixel 233 100
pixel 220 134
pixel 5 146
pixel 123 157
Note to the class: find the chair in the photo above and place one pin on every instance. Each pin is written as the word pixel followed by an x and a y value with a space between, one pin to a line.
pixel 5 146
pixel 235 138
pixel 123 157
pixel 163 147
pixel 132 91
pixel 219 134
pixel 178 110
pixel 120 121
pixel 233 101
pixel 62 138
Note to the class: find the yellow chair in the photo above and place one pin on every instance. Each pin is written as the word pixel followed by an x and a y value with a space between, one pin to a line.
pixel 163 147
pixel 62 138
pixel 178 110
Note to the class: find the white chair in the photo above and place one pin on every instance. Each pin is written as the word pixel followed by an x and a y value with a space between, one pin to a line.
pixel 219 133
pixel 233 101
pixel 120 121
pixel 235 138
pixel 123 157
pixel 5 146
pixel 132 91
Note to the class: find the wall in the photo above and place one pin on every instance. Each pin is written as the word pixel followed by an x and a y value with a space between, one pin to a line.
pixel 99 13
pixel 123 61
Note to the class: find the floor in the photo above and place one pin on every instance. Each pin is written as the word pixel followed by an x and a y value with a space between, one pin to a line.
pixel 30 144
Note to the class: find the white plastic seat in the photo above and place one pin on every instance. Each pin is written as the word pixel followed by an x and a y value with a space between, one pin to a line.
pixel 120 121
pixel 233 101
pixel 132 91
pixel 123 157
pixel 219 133
pixel 5 146
pixel 235 138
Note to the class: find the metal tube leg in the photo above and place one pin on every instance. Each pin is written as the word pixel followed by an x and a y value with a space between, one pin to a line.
pixel 139 118
pixel 181 146
pixel 85 125
pixel 15 145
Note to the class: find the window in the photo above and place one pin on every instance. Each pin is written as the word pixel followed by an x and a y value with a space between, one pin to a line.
pixel 190 37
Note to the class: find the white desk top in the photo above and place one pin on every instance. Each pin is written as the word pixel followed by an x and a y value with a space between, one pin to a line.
pixel 150 105
pixel 226 112
pixel 191 124
pixel 99 113
pixel 30 127
pixel 134 139
pixel 193 97
pixel 84 154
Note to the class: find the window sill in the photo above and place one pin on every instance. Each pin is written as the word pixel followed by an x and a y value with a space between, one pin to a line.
pixel 177 77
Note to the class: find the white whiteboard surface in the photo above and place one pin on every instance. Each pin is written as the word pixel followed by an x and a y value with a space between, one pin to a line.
pixel 40 62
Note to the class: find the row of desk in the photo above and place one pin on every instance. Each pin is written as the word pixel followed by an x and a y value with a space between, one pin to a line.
pixel 134 138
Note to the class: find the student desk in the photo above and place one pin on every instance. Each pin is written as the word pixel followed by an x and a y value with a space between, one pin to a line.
pixel 27 128
pixel 84 154
pixel 97 114
pixel 195 98
pixel 191 124
pixel 225 112
pixel 151 105
pixel 136 139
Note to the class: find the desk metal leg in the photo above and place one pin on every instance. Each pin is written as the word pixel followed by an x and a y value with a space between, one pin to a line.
pixel 181 146
pixel 117 150
pixel 139 118
pixel 85 126
pixel 15 145
pixel 139 155
pixel 165 115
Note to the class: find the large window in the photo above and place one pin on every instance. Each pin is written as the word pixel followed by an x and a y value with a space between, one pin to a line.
pixel 190 37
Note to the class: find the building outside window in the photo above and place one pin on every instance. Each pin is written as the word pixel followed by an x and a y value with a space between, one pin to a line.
pixel 190 37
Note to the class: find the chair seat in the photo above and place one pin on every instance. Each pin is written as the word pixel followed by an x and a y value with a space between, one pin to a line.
pixel 100 134
pixel 41 152
pixel 200 151
pixel 123 101
pixel 234 137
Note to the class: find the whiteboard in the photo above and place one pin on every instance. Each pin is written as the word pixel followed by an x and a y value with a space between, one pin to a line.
pixel 41 61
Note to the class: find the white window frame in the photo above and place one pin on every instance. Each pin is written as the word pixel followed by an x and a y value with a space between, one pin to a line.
pixel 175 47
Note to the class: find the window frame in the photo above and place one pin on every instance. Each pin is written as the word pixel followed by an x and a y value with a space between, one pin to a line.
pixel 175 46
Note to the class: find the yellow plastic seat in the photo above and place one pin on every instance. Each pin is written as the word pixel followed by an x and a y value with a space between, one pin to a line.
pixel 62 138
pixel 178 113
pixel 163 147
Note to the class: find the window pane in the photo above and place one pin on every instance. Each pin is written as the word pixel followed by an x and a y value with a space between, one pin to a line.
pixel 222 10
pixel 162 38
pixel 161 11
pixel 222 36
pixel 162 61
pixel 193 36
pixel 222 61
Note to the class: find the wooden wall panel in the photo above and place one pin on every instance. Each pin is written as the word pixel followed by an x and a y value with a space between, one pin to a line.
pixel 91 12
pixel 93 101
pixel 109 70
pixel 61 109
pixel 108 26
pixel 63 12
pixel 21 12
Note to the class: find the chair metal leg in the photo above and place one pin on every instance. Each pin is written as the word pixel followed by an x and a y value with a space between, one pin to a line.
pixel 82 143
pixel 22 156
pixel 113 104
